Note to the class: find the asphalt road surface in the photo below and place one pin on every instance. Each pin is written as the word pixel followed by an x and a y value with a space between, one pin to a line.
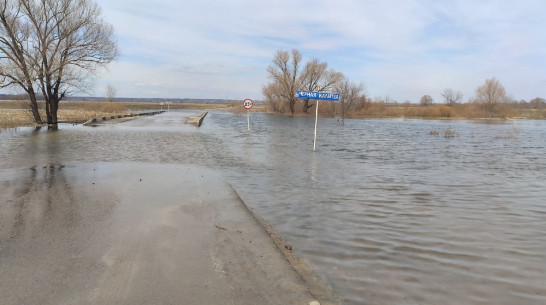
pixel 137 233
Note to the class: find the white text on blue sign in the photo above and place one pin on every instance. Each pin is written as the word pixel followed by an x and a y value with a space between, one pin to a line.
pixel 318 95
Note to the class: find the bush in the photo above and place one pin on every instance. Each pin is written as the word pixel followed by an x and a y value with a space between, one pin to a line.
pixel 449 133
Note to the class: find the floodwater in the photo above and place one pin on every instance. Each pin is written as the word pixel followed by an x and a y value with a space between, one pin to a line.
pixel 384 211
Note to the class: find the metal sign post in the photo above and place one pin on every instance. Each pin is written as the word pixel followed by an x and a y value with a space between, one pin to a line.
pixel 317 96
pixel 247 104
pixel 316 123
pixel 162 110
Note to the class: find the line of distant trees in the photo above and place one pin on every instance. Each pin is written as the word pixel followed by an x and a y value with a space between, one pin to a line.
pixel 491 96
pixel 288 73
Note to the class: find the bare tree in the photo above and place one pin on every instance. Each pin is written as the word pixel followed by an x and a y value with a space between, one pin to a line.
pixel 315 77
pixel 273 98
pixel 349 94
pixel 61 43
pixel 110 93
pixel 490 94
pixel 390 100
pixel 426 100
pixel 17 66
pixel 451 98
pixel 538 103
pixel 286 78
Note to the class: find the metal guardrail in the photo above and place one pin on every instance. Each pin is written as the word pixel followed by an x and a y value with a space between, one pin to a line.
pixel 113 117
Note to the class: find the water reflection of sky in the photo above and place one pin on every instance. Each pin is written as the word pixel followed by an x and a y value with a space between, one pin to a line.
pixel 386 210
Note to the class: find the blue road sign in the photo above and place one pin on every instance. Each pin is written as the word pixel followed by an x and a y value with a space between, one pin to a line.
pixel 318 95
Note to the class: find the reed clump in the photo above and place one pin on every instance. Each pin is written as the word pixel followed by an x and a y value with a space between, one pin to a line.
pixel 449 133
pixel 15 117
pixel 237 108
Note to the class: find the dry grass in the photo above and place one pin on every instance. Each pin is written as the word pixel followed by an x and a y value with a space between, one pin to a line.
pixel 237 108
pixel 15 113
pixel 21 117
pixel 459 111
pixel 381 109
pixel 13 118
pixel 532 113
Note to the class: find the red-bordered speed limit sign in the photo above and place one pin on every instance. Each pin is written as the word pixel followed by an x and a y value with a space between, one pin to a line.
pixel 248 104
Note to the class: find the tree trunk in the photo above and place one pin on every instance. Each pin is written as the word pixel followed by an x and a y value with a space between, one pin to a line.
pixel 306 105
pixel 292 103
pixel 34 107
pixel 52 106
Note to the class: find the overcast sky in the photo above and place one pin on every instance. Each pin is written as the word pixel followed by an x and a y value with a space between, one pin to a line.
pixel 400 49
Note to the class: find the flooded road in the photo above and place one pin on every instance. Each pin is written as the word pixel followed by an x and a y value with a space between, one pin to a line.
pixel 132 232
pixel 393 215
pixel 385 211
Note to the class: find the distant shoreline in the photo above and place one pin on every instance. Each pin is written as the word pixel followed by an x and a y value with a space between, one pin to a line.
pixel 13 113
pixel 429 113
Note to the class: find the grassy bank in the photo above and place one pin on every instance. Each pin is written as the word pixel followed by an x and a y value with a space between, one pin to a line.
pixel 15 113
pixel 459 111
pixel 454 112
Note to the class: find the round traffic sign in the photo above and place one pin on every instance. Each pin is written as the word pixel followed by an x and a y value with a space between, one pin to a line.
pixel 248 103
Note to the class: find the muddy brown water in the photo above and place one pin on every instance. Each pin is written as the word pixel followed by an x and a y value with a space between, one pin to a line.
pixel 385 211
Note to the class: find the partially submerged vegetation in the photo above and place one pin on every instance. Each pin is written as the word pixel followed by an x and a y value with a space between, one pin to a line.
pixel 448 133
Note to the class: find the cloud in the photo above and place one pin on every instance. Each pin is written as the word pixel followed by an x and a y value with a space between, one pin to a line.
pixel 403 49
